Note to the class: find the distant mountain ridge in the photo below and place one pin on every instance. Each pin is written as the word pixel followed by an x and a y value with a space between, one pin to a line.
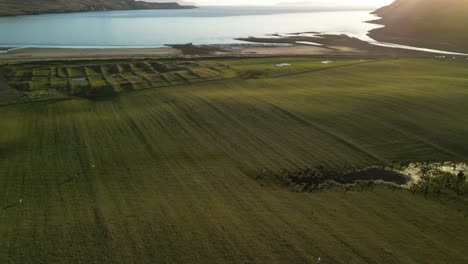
pixel 305 3
pixel 31 7
pixel 438 24
pixel 180 2
pixel 322 3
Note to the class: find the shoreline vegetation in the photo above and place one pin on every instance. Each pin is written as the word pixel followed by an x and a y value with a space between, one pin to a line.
pixel 408 22
pixel 36 7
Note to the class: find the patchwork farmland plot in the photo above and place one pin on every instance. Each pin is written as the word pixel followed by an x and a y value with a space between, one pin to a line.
pixel 109 77
pixel 89 80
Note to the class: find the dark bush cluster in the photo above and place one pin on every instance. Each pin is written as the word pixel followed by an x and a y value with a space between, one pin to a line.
pixel 103 92
pixel 322 178
pixel 435 182
pixel 252 74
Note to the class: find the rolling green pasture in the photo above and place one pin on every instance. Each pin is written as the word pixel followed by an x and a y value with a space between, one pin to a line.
pixel 167 175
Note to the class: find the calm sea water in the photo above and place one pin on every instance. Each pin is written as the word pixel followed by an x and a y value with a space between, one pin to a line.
pixel 154 28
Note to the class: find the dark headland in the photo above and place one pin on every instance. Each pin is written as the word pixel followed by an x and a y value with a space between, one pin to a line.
pixel 437 24
pixel 33 7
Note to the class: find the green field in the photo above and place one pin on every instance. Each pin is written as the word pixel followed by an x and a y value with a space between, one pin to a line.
pixel 167 174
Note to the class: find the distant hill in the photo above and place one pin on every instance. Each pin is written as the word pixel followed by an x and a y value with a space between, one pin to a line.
pixel 30 7
pixel 438 24
pixel 305 3
pixel 330 4
pixel 180 2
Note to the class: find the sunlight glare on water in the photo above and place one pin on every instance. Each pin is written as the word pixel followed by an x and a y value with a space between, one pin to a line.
pixel 153 28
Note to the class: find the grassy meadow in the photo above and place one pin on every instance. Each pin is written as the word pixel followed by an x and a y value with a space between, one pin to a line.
pixel 166 174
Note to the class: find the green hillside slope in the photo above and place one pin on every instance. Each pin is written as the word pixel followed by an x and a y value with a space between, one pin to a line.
pixel 439 24
pixel 30 7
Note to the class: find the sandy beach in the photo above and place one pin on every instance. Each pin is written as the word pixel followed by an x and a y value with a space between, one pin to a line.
pixel 246 50
pixel 38 54
pixel 299 50
pixel 44 54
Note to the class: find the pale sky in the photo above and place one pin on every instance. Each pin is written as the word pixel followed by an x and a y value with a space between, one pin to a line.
pixel 274 2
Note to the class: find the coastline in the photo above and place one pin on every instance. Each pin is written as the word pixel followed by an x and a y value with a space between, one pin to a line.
pixel 405 23
pixel 300 44
pixel 389 35
pixel 51 54
pixel 293 44
pixel 44 54
pixel 63 8
pixel 254 47
pixel 386 34
pixel 90 11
